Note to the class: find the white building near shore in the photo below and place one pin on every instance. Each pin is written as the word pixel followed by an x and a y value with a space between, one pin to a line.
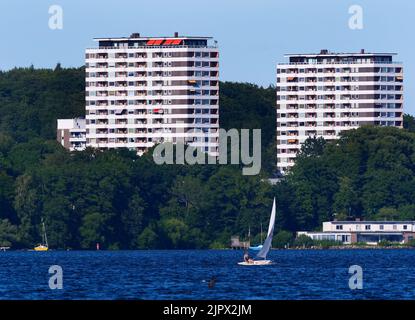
pixel 371 232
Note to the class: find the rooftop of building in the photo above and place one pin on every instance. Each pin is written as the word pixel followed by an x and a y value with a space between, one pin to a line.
pixel 372 222
pixel 135 40
pixel 325 52
pixel 137 36
pixel 74 123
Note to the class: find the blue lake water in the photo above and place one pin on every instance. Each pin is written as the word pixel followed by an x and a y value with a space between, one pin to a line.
pixel 296 274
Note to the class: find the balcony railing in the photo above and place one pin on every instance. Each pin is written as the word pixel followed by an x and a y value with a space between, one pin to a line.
pixel 338 62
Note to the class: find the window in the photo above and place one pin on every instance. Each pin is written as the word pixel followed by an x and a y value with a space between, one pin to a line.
pixel 367 227
pixel 405 227
pixel 381 227
pixel 339 227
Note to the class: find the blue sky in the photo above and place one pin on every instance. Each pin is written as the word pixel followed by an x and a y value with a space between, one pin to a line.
pixel 253 35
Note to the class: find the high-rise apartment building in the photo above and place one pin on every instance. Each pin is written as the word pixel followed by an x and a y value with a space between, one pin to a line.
pixel 320 95
pixel 146 90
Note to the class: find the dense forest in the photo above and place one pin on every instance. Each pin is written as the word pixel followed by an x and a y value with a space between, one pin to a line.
pixel 127 202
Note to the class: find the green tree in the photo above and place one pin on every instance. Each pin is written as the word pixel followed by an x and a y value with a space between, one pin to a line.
pixel 92 230
pixel 176 231
pixel 407 212
pixel 283 239
pixel 133 220
pixel 148 239
pixel 27 206
pixel 387 214
pixel 6 196
pixel 8 233
pixel 312 147
pixel 409 122
pixel 346 200
pixel 303 241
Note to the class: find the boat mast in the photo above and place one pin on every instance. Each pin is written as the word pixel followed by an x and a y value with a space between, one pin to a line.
pixel 261 232
pixel 249 236
pixel 45 238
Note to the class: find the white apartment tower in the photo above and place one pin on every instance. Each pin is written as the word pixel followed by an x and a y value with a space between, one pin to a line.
pixel 320 95
pixel 146 90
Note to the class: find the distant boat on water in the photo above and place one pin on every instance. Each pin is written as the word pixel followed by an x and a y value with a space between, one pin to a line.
pixel 266 246
pixel 44 245
pixel 257 248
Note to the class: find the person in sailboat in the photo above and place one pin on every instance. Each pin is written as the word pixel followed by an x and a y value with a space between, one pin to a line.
pixel 247 258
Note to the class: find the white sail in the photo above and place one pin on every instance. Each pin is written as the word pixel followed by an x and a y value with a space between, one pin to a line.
pixel 268 241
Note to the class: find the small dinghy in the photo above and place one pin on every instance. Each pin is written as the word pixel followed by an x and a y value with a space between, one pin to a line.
pixel 266 246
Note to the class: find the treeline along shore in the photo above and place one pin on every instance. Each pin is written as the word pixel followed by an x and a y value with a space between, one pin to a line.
pixel 122 201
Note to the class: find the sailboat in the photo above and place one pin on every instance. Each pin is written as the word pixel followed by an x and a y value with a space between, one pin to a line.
pixel 266 245
pixel 44 245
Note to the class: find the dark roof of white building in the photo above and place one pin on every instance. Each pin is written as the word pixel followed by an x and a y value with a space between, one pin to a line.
pixel 372 222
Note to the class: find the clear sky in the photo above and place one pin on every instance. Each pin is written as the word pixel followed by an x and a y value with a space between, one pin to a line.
pixel 253 35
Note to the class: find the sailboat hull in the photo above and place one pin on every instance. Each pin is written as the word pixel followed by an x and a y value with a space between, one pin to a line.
pixel 41 248
pixel 255 263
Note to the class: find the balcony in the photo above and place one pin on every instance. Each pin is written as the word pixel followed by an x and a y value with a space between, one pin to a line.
pixel 121 56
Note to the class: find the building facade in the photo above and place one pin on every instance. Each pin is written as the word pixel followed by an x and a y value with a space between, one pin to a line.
pixel 320 95
pixel 146 90
pixel 71 133
pixel 371 232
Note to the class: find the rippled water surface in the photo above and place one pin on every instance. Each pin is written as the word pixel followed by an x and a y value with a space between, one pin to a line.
pixel 296 274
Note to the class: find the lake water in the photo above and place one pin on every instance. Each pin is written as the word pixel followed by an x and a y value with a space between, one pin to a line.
pixel 296 274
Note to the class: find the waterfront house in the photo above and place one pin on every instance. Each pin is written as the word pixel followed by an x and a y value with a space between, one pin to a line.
pixel 370 232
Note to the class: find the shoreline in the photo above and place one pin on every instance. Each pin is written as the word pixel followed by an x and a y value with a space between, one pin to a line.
pixel 351 247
